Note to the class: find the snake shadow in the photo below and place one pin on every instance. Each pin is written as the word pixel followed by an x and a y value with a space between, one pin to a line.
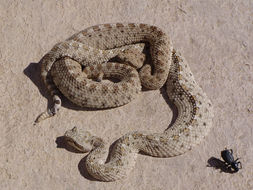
pixel 32 71
pixel 170 104
pixel 83 170
pixel 61 143
pixel 219 165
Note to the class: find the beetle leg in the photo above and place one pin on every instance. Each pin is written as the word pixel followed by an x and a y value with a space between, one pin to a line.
pixel 239 164
pixel 229 167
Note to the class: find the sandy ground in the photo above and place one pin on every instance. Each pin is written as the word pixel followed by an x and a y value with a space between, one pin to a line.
pixel 214 36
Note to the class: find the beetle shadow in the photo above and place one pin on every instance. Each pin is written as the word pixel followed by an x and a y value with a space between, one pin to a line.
pixel 219 165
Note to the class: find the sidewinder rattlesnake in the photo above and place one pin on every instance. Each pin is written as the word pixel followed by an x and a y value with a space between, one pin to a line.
pixel 76 67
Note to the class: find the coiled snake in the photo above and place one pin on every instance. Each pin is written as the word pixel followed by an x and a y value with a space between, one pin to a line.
pixel 76 68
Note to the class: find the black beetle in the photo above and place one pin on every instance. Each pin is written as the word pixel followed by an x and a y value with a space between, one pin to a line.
pixel 228 157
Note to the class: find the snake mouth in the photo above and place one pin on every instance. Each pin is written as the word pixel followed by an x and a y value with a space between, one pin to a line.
pixel 72 143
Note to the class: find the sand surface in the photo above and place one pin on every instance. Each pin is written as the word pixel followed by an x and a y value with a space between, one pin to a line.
pixel 215 37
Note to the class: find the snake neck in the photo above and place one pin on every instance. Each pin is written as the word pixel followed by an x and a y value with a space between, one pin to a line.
pixel 115 165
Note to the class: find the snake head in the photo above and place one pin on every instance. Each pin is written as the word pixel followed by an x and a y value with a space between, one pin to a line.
pixel 79 139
